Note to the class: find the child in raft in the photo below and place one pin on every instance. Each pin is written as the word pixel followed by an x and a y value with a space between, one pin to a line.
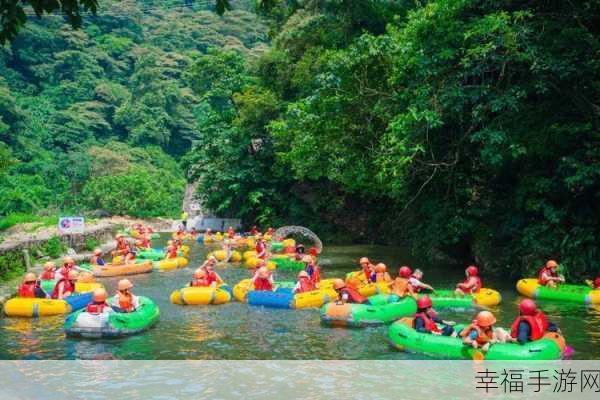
pixel 261 247
pixel 199 279
pixel 49 271
pixel 171 250
pixel 263 279
pixel 211 275
pixel 472 284
pixel 97 258
pixel 367 268
pixel 123 250
pixel 426 320
pixel 380 274
pixel 65 286
pixel 99 304
pixel 548 275
pixel 230 232
pixel 304 283
pixel 531 323
pixel 124 300
pixel 400 286
pixel 415 282
pixel 347 293
pixel 144 242
pixel 67 266
pixel 481 332
pixel 313 270
pixel 595 284
pixel 30 287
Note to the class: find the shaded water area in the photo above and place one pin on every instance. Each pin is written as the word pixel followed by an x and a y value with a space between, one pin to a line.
pixel 239 331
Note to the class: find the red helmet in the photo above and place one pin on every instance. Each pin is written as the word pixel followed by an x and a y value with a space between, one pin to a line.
pixel 405 272
pixel 472 270
pixel 527 307
pixel 424 302
pixel 597 283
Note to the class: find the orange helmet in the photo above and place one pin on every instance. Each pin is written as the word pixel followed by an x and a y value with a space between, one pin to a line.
pixel 29 277
pixel 49 266
pixel 485 319
pixel 338 284
pixel 303 274
pixel 124 284
pixel 119 236
pixel 97 252
pixel 199 273
pixel 68 260
pixel 381 267
pixel 263 272
pixel 551 264
pixel 364 260
pixel 99 295
pixel 73 275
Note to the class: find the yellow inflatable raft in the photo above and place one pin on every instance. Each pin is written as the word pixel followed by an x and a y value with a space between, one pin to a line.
pixel 251 263
pixel 122 269
pixel 221 255
pixel 200 296
pixel 315 298
pixel 82 287
pixel 172 263
pixel 29 307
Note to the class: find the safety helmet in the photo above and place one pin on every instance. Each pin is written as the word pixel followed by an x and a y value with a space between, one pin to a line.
pixel 381 267
pixel 472 270
pixel 68 260
pixel 97 252
pixel 124 284
pixel 485 319
pixel 99 295
pixel 338 284
pixel 49 266
pixel 263 272
pixel 303 274
pixel 527 307
pixel 405 272
pixel 424 302
pixel 551 264
pixel 29 277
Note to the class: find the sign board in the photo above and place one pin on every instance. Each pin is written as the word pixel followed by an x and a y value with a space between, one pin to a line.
pixel 69 225
pixel 195 206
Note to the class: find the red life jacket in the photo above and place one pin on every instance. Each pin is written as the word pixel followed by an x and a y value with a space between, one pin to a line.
pixel 199 283
pixel 306 285
pixel 172 253
pixel 538 324
pixel 68 286
pixel 122 246
pixel 146 243
pixel 27 289
pixel 353 295
pixel 47 275
pixel 430 324
pixel 262 284
pixel 96 308
pixel 260 250
pixel 474 289
pixel 211 276
pixel 316 275
pixel 483 337
pixel 546 271
pixel 230 234
pixel 64 271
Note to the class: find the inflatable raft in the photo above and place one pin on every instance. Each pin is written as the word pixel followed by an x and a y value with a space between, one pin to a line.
pixel 287 263
pixel 80 287
pixel 563 292
pixel 201 295
pixel 404 337
pixel 449 299
pixel 381 309
pixel 113 324
pixel 171 263
pixel 33 307
pixel 221 255
pixel 150 254
pixel 108 270
pixel 283 296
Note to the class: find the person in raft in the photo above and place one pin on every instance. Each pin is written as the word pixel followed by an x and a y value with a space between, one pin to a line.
pixel 65 286
pixel 230 232
pixel 123 249
pixel 30 287
pixel 144 242
pixel 199 278
pixel 211 275
pixel 68 265
pixel 594 284
pixel 472 284
pixel 347 293
pixel 171 250
pixel 548 275
pixel 99 304
pixel 313 270
pixel 366 268
pixel 49 271
pixel 97 258
pixel 124 300
pixel 426 319
pixel 263 279
pixel 254 231
pixel 304 283
pixel 481 332
pixel 299 254
pixel 212 260
pixel 380 274
pixel 531 324
pixel 400 286
pixel 415 283
pixel 261 247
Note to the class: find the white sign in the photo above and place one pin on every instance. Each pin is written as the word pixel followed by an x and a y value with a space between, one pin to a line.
pixel 195 206
pixel 71 225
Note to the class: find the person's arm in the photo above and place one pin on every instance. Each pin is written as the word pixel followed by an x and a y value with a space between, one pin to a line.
pixel 523 332
pixel 296 288
pixel 135 302
pixel 426 286
pixel 420 325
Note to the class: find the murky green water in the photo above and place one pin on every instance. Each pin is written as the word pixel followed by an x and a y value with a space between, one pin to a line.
pixel 239 331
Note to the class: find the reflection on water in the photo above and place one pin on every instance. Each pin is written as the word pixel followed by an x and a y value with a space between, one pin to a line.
pixel 238 331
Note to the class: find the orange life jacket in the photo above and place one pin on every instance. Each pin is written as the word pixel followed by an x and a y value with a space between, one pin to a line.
pixel 538 324
pixel 483 336
pixel 211 276
pixel 400 287
pixel 126 302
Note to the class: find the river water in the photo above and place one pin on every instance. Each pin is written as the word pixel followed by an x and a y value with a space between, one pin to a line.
pixel 239 331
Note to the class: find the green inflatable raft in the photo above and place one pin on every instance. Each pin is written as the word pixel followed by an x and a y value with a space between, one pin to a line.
pixel 404 337
pixel 381 309
pixel 150 254
pixel 113 324
pixel 286 263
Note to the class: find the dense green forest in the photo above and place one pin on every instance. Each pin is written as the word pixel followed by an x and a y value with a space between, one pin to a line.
pixel 467 128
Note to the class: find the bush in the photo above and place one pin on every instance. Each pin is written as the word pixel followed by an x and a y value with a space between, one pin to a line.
pixel 91 243
pixel 12 264
pixel 54 247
